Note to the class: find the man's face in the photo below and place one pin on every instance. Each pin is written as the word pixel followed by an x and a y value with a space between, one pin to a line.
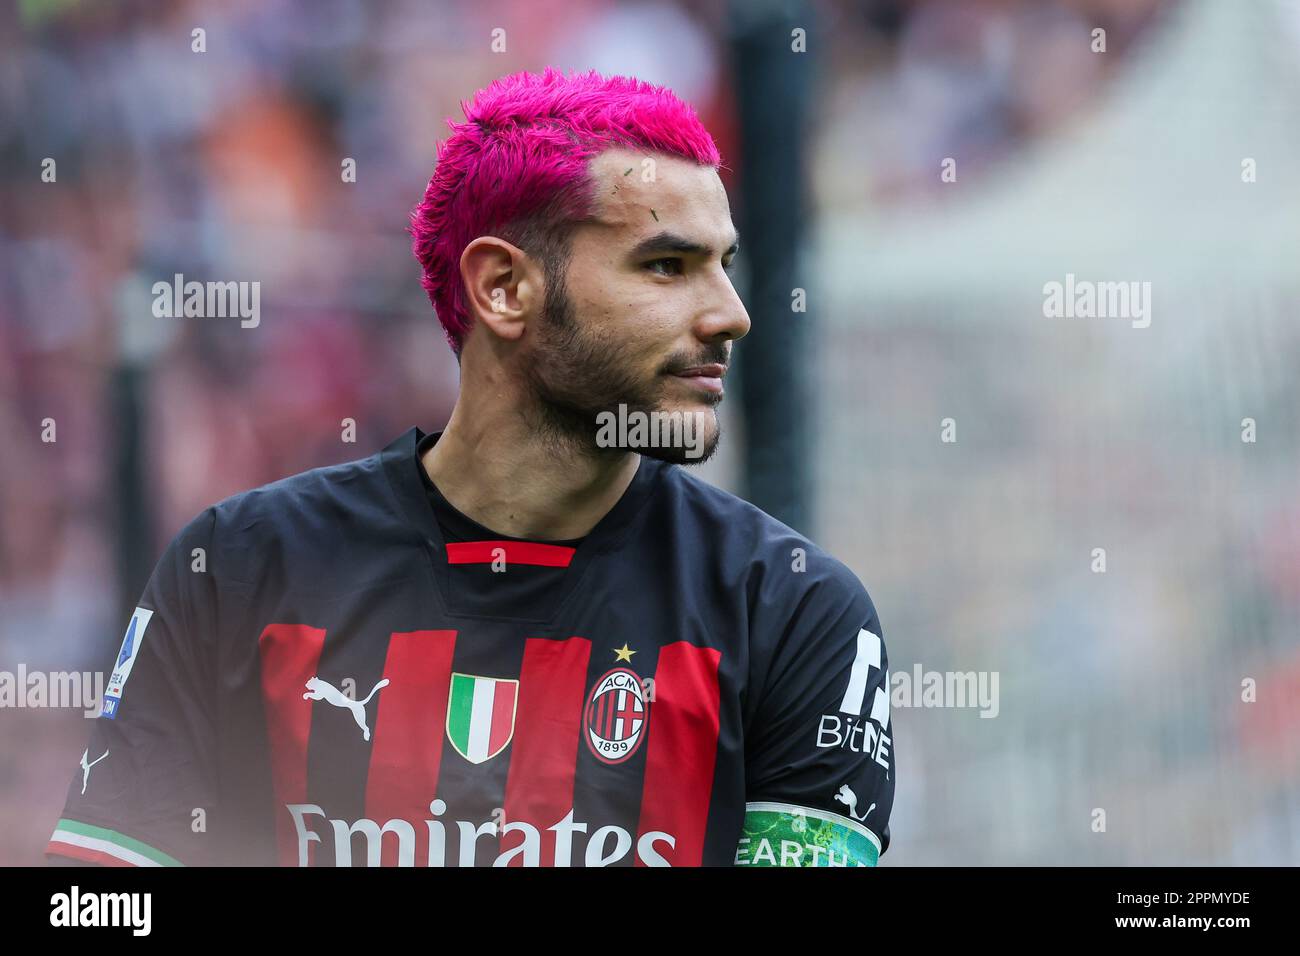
pixel 646 313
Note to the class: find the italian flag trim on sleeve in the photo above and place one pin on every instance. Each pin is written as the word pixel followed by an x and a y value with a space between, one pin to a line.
pixel 81 841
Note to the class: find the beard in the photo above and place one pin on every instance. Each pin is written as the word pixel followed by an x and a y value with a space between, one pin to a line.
pixel 575 376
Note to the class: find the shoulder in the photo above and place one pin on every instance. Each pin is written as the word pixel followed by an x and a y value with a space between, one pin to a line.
pixel 328 490
pixel 291 528
pixel 785 572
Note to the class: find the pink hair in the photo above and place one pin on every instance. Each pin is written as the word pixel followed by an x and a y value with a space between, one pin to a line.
pixel 523 153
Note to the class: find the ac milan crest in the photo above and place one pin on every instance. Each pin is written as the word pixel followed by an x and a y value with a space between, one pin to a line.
pixel 616 716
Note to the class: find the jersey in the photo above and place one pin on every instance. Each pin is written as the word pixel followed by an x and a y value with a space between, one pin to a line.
pixel 318 675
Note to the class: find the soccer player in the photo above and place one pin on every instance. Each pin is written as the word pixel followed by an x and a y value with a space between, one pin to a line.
pixel 531 638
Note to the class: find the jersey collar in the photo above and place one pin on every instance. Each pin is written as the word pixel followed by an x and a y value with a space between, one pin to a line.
pixel 402 469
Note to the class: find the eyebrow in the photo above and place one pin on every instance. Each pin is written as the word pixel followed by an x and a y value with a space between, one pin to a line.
pixel 672 242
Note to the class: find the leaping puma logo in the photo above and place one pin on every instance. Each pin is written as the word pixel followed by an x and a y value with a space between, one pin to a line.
pixel 847 797
pixel 318 689
pixel 85 767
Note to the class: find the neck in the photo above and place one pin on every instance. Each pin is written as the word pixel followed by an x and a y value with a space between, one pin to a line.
pixel 495 467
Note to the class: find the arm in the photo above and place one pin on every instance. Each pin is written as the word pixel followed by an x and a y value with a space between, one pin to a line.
pixel 150 761
pixel 820 757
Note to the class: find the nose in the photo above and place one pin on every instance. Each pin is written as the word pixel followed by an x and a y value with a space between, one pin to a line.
pixel 726 317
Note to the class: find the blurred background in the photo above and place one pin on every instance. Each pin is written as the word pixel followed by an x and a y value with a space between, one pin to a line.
pixel 1119 690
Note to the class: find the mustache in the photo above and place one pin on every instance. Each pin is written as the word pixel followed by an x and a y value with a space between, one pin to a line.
pixel 719 354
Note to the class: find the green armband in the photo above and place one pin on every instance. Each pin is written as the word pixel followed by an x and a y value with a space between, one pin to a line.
pixel 779 834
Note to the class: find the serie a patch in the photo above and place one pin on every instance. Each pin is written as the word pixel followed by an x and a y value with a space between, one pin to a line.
pixel 126 658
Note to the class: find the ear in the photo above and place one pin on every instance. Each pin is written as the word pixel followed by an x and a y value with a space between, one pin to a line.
pixel 503 286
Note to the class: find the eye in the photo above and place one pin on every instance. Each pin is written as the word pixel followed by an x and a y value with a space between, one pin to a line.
pixel 729 265
pixel 674 264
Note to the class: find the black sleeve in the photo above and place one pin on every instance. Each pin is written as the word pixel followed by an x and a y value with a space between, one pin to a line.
pixel 820 758
pixel 146 782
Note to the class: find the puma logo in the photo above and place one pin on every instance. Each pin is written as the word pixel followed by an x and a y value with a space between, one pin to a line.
pixel 847 797
pixel 85 768
pixel 318 689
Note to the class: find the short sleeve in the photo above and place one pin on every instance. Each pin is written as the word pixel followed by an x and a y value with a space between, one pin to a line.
pixel 143 787
pixel 820 769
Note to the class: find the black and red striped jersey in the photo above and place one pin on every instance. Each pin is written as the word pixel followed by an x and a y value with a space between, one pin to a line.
pixel 340 669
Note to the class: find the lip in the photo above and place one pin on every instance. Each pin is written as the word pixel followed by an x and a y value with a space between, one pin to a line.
pixel 707 378
pixel 712 370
